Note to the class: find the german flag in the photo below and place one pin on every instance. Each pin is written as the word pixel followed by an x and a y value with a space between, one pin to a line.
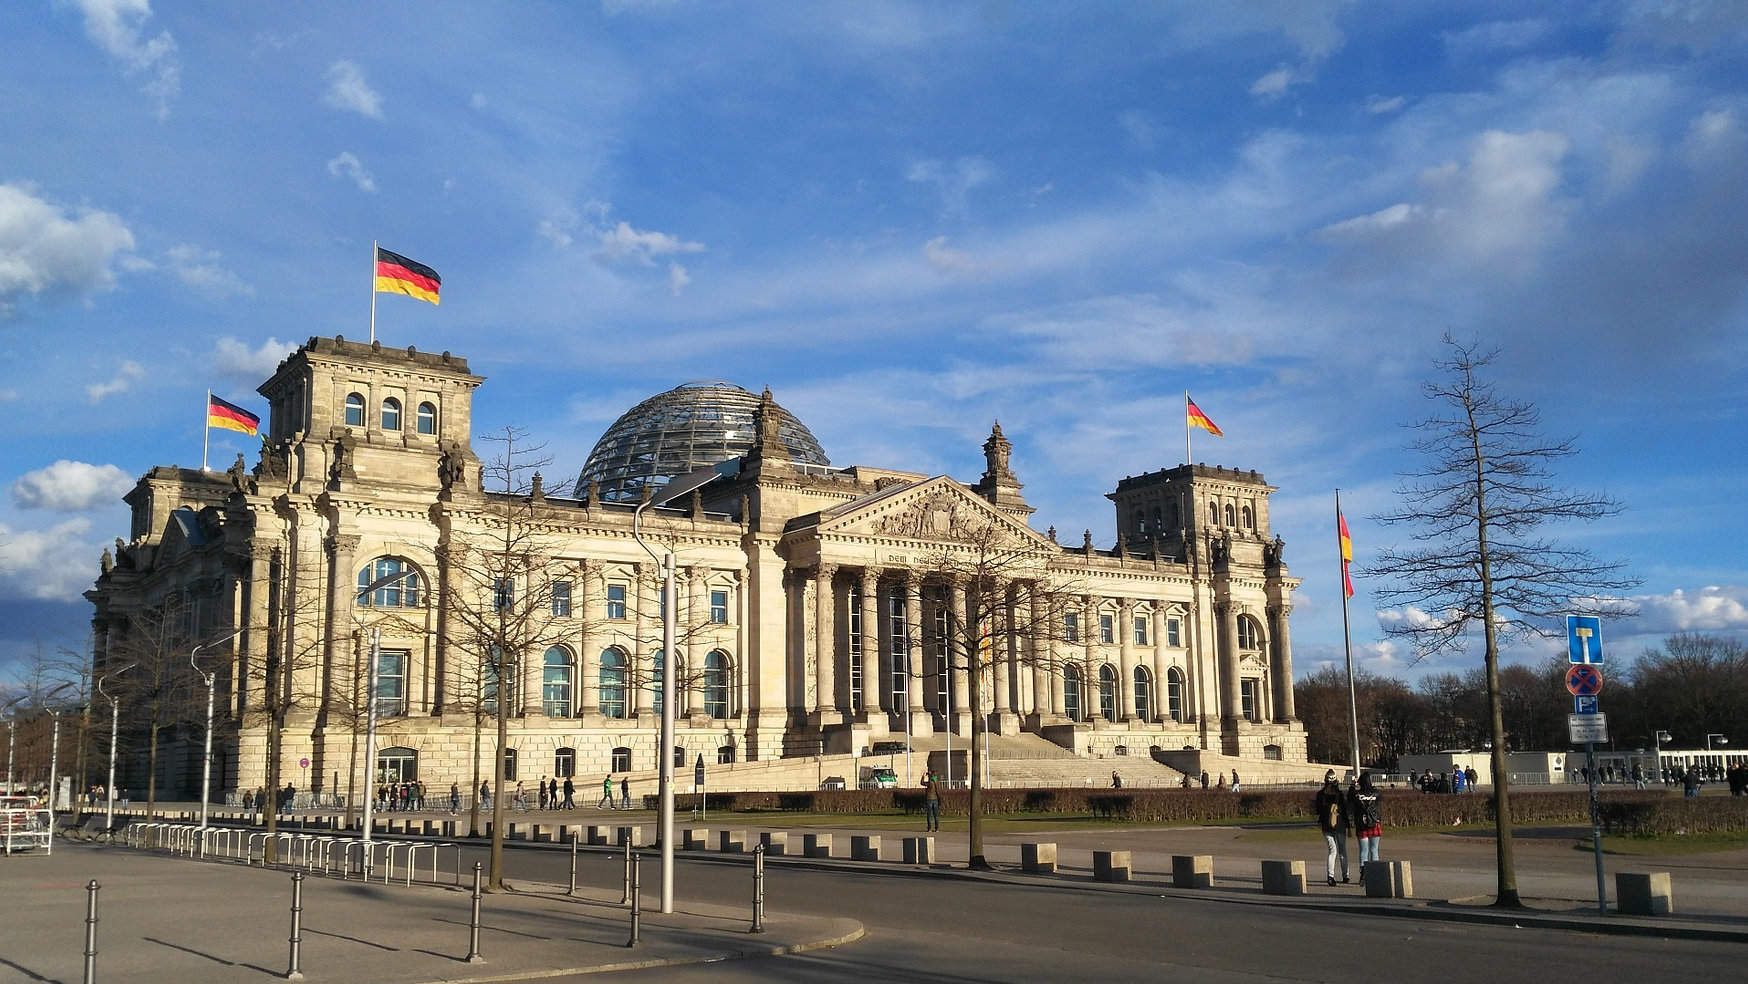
pixel 395 274
pixel 1199 419
pixel 228 416
pixel 1346 552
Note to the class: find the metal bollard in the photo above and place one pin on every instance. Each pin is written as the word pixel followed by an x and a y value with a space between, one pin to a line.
pixel 636 894
pixel 91 932
pixel 759 889
pixel 473 924
pixel 573 888
pixel 294 973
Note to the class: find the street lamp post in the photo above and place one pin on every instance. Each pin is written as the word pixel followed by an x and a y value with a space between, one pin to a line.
pixel 206 758
pixel 1721 740
pixel 370 713
pixel 678 486
pixel 114 727
pixel 1658 737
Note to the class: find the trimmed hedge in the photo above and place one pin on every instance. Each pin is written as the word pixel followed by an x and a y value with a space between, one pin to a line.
pixel 1629 811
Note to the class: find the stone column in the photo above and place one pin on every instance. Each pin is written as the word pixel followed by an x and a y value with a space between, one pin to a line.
pixel 921 722
pixel 1161 664
pixel 1125 660
pixel 1089 671
pixel 1231 699
pixel 1281 664
pixel 341 595
pixel 647 619
pixel 825 654
pixel 961 634
pixel 698 621
pixel 876 681
pixel 1038 651
pixel 255 656
pixel 590 598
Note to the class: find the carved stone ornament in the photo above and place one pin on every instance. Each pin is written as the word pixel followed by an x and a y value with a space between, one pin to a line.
pixel 931 517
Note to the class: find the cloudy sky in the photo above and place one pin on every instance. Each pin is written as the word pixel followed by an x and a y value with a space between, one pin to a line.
pixel 909 220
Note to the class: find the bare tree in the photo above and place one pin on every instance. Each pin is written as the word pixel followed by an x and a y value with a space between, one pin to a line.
pixel 1694 684
pixel 1480 562
pixel 161 685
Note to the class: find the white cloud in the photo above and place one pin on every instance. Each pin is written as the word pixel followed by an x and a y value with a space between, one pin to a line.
pixel 946 259
pixel 347 166
pixel 348 91
pixel 1710 609
pixel 43 249
pixel 118 27
pixel 200 269
pixel 622 242
pixel 53 564
pixel 1713 138
pixel 1495 36
pixel 249 366
pixel 678 278
pixel 71 486
pixel 124 378
pixel 954 183
pixel 1273 85
pixel 1379 105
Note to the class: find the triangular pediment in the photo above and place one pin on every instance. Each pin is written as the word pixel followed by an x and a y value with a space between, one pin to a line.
pixel 937 510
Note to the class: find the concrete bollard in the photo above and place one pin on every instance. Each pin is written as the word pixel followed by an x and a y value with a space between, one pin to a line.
pixel 597 834
pixel 1038 859
pixel 919 850
pixel 518 831
pixel 695 839
pixel 1192 870
pixel 865 847
pixel 1388 880
pixel 1111 866
pixel 1283 877
pixel 774 842
pixel 1643 893
pixel 816 845
pixel 543 833
pixel 632 834
pixel 731 841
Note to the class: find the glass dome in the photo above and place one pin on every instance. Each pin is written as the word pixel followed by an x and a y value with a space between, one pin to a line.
pixel 691 426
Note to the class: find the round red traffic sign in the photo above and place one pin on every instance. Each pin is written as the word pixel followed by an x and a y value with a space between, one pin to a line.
pixel 1584 680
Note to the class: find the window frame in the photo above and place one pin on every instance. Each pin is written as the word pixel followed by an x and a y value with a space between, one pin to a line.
pixel 353 415
pixel 425 418
pixel 390 417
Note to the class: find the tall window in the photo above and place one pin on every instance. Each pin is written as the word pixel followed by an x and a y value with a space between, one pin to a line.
pixel 1107 629
pixel 391 683
pixel 616 601
pixel 427 419
pixel 509 765
pixel 719 608
pixel 1231 515
pixel 564 762
pixel 1071 692
pixel 1174 632
pixel 613 682
pixel 1249 633
pixel 1071 627
pixel 716 684
pixel 1143 694
pixel 561 599
pixel 503 594
pixel 555 683
pixel 1249 518
pixel 1141 630
pixel 900 651
pixel 1108 692
pixel 856 650
pixel 391 414
pixel 1174 694
pixel 354 410
pixel 621 759
pixel 1247 692
pixel 401 593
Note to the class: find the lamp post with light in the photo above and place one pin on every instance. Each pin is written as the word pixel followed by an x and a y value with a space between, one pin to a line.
pixel 210 679
pixel 1658 737
pixel 1721 740
pixel 678 486
pixel 370 709
pixel 114 728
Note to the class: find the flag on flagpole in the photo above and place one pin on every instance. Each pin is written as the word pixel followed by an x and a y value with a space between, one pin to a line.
pixel 228 416
pixel 395 274
pixel 1346 553
pixel 1199 419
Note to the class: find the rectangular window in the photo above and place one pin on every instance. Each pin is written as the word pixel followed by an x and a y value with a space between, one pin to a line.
pixel 616 601
pixel 503 593
pixel 900 652
pixel 561 599
pixel 856 651
pixel 1140 630
pixel 1174 632
pixel 391 683
pixel 1248 690
pixel 564 763
pixel 509 765
pixel 719 608
pixel 1071 628
pixel 1107 629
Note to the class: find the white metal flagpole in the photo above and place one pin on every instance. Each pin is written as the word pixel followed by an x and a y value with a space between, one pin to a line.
pixel 374 252
pixel 1187 459
pixel 1353 707
pixel 206 429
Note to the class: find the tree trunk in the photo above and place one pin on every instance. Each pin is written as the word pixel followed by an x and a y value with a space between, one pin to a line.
pixel 498 830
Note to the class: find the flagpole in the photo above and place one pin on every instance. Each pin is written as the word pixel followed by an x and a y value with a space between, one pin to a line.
pixel 375 251
pixel 1187 459
pixel 1353 708
pixel 206 429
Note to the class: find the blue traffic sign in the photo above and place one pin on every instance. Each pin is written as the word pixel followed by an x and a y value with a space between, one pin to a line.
pixel 1584 638
pixel 1586 704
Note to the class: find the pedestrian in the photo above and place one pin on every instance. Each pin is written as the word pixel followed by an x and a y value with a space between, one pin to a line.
pixel 521 797
pixel 552 792
pixel 1331 808
pixel 1690 782
pixel 1116 780
pixel 1235 781
pixel 248 800
pixel 1365 807
pixel 1204 778
pixel 454 798
pixel 1457 779
pixel 606 793
pixel 485 795
pixel 625 792
pixel 1470 778
pixel 541 787
pixel 932 801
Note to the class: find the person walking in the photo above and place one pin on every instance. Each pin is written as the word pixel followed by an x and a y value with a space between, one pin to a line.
pixel 1332 819
pixel 606 802
pixel 1364 805
pixel 1236 784
pixel 625 792
pixel 552 792
pixel 454 798
pixel 932 802
pixel 485 795
pixel 521 797
pixel 540 789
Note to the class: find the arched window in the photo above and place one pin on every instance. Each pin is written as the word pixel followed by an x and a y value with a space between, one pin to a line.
pixel 1171 514
pixel 621 761
pixel 1249 633
pixel 1108 692
pixel 555 683
pixel 402 592
pixel 397 765
pixel 1143 694
pixel 1071 692
pixel 354 410
pixel 1249 518
pixel 1231 518
pixel 1174 694
pixel 391 414
pixel 427 418
pixel 613 682
pixel 564 762
pixel 716 684
pixel 1213 514
pixel 724 754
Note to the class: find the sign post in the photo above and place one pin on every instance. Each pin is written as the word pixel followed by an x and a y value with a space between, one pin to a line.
pixel 1587 724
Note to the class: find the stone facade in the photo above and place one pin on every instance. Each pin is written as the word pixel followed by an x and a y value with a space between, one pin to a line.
pixel 818 610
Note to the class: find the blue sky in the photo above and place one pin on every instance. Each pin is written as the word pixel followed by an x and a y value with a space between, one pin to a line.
pixel 909 220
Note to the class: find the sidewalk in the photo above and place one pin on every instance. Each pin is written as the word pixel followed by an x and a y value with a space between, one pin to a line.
pixel 164 920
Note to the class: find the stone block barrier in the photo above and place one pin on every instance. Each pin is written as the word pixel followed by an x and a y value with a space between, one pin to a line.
pixel 1283 877
pixel 775 842
pixel 695 839
pixel 598 835
pixel 816 845
pixel 1388 880
pixel 1643 893
pixel 919 850
pixel 1192 870
pixel 731 841
pixel 1111 866
pixel 1038 859
pixel 865 847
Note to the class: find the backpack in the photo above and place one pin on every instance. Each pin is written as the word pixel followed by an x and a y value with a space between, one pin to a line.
pixel 1332 814
pixel 1369 814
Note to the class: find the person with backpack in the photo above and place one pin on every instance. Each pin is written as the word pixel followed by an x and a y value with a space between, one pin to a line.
pixel 1368 819
pixel 1332 819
